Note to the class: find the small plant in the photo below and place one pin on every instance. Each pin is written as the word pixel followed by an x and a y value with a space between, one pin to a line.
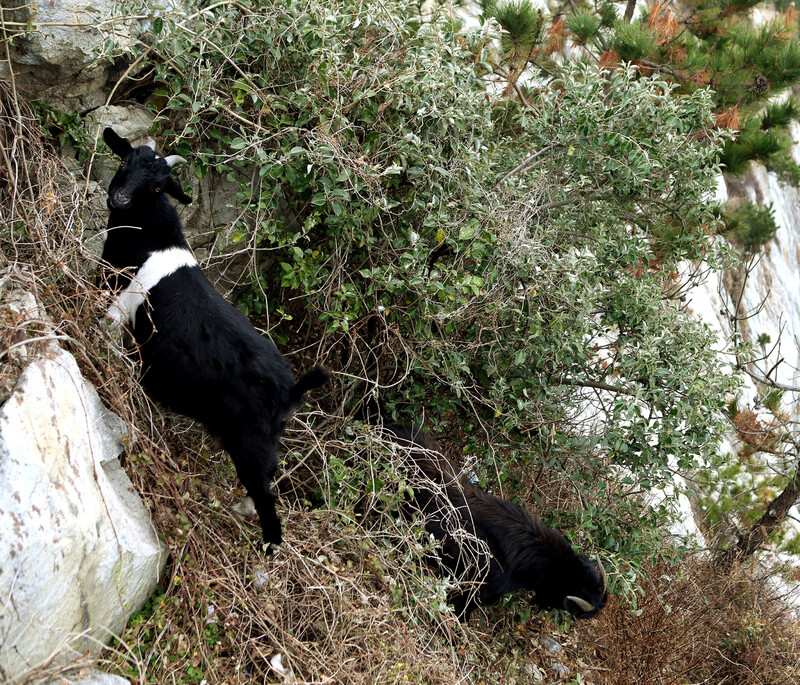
pixel 67 128
pixel 772 400
pixel 750 226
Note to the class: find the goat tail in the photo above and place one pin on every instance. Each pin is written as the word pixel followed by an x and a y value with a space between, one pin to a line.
pixel 314 378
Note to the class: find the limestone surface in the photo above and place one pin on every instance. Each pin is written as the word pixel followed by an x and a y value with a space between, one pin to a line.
pixel 78 553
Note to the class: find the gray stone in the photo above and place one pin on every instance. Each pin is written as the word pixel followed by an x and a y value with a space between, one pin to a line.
pixel 57 61
pixel 551 645
pixel 561 670
pixel 78 553
pixel 536 674
pixel 133 122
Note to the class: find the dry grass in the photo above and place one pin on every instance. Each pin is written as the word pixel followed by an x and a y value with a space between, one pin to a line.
pixel 698 625
pixel 333 602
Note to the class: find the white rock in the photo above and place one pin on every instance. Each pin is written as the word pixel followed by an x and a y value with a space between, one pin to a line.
pixel 551 645
pixel 536 674
pixel 561 671
pixel 90 677
pixel 78 553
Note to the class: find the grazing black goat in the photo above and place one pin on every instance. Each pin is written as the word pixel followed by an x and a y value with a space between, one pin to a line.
pixel 493 543
pixel 200 356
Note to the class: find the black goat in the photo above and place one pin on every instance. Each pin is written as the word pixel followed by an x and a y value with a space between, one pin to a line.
pixel 200 355
pixel 493 543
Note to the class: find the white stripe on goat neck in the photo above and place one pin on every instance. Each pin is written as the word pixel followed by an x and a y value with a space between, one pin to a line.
pixel 158 265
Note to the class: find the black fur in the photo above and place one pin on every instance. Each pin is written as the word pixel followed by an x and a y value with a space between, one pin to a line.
pixel 200 355
pixel 523 553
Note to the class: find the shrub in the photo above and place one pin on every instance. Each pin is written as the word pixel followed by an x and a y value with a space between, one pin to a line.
pixel 511 275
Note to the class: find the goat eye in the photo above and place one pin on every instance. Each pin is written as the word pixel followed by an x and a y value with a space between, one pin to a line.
pixel 157 189
pixel 122 165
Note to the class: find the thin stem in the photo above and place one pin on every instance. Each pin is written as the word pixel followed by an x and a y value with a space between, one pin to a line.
pixel 526 163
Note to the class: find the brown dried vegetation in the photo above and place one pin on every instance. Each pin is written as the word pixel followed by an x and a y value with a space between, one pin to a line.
pixel 730 119
pixel 555 37
pixel 698 625
pixel 754 432
pixel 663 21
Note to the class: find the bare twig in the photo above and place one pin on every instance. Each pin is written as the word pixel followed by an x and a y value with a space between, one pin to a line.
pixel 524 164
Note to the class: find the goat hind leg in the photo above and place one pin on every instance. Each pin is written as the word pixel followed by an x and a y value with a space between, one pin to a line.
pixel 256 475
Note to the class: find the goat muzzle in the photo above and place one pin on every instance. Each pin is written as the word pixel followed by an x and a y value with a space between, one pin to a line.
pixel 119 200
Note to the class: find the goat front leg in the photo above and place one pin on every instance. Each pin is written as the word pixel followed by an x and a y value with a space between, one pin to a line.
pixel 270 523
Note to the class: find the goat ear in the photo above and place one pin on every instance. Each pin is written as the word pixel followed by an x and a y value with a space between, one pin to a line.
pixel 172 187
pixel 119 145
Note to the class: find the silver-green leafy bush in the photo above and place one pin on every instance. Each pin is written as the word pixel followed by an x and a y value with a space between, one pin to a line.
pixel 515 271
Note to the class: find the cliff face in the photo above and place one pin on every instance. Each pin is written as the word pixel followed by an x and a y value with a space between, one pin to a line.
pixel 768 289
pixel 57 63
pixel 764 295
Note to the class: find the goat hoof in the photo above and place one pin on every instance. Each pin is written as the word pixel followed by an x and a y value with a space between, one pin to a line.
pixel 271 549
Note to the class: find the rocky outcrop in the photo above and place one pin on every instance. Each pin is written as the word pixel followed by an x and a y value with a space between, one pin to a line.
pixel 767 293
pixel 78 553
pixel 56 62
pixel 59 55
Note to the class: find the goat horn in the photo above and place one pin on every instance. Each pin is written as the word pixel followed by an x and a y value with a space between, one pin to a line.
pixel 582 603
pixel 151 143
pixel 172 160
pixel 603 573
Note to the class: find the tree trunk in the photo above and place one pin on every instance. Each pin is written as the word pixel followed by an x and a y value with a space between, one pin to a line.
pixel 629 10
pixel 771 519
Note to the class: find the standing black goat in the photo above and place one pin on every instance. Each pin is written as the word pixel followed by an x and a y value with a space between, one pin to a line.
pixel 200 355
pixel 493 543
